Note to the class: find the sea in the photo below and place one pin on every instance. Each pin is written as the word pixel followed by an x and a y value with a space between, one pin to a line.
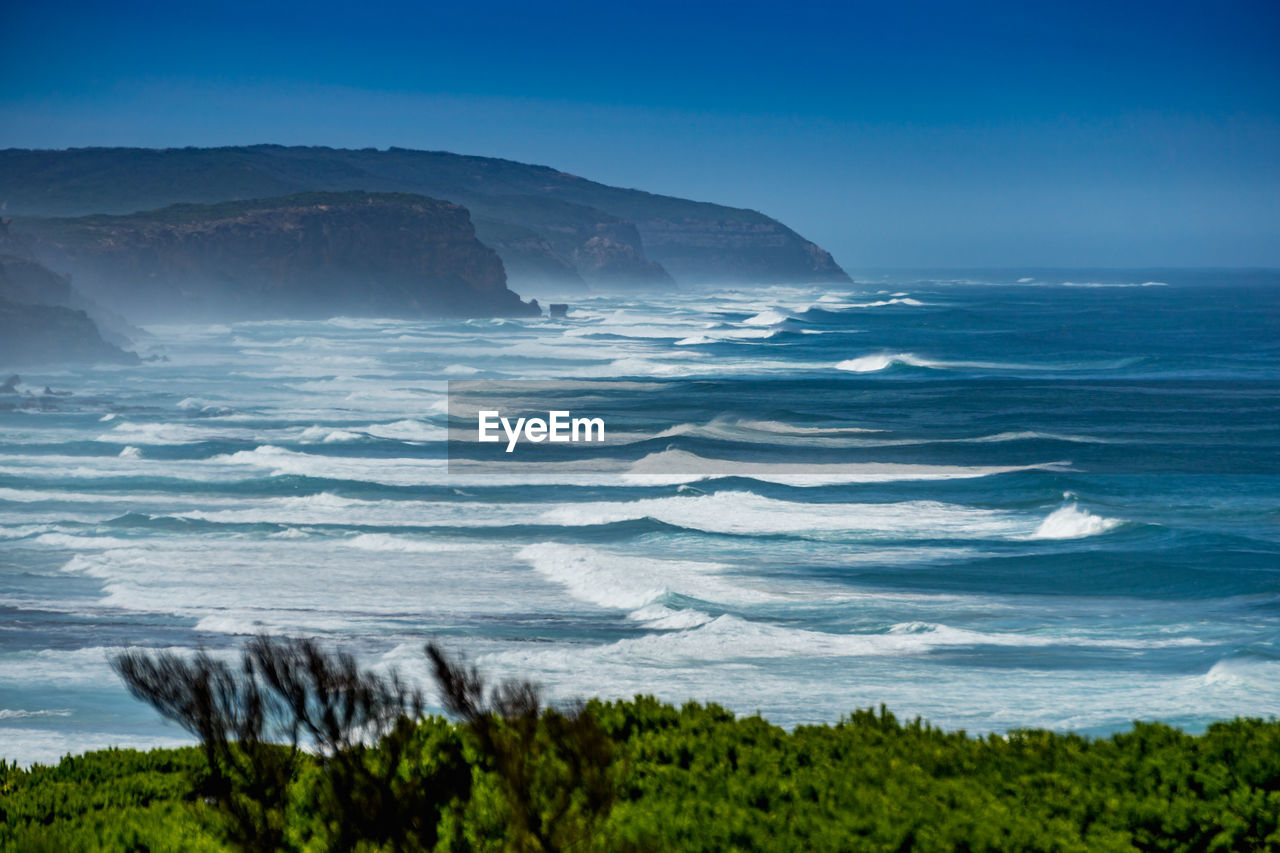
pixel 992 499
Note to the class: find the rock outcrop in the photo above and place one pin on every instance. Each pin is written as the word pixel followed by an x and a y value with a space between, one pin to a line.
pixel 40 319
pixel 309 255
pixel 550 227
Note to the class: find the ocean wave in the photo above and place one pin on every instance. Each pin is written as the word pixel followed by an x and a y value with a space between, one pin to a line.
pixel 717 335
pixel 1114 284
pixel 280 461
pixel 748 430
pixel 875 362
pixel 768 318
pixel 129 433
pixel 61 668
pixel 75 542
pixel 881 361
pixel 628 583
pixel 659 617
pixel 325 435
pixel 748 513
pixel 385 542
pixel 1071 522
pixel 1243 671
pixel 672 467
pixel 732 638
pixel 20 714
pixel 880 303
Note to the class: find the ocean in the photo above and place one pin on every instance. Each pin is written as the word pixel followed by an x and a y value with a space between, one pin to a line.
pixel 997 500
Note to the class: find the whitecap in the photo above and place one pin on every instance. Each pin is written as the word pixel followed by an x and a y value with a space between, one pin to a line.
pixel 672 467
pixel 1071 522
pixel 626 583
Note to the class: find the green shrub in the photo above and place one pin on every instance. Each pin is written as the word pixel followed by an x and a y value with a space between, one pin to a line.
pixel 512 774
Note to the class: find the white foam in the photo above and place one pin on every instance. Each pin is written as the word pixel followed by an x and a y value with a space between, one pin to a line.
pixel 130 452
pixel 659 617
pixel 716 335
pixel 402 544
pixel 729 638
pixel 872 363
pixel 767 318
pixel 65 540
pixel 881 361
pixel 28 746
pixel 1071 522
pixel 762 431
pixel 408 430
pixel 627 583
pixel 671 467
pixel 749 513
pixel 281 461
pixel 20 714
pixel 1113 284
pixel 898 299
pixel 1243 672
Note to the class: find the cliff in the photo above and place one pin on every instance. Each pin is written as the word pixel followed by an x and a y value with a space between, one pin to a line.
pixel 52 334
pixel 549 226
pixel 41 320
pixel 304 256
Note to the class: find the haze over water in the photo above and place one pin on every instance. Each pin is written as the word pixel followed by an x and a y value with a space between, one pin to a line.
pixel 1016 559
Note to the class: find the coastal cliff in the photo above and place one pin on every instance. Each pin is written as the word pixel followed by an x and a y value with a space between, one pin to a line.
pixel 552 229
pixel 740 248
pixel 41 315
pixel 303 256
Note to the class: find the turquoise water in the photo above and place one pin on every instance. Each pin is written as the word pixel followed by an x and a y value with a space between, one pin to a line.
pixel 1049 502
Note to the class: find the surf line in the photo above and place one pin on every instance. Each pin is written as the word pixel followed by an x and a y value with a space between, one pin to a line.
pixel 559 426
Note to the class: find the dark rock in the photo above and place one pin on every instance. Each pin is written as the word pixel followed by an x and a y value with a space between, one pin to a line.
pixel 41 318
pixel 308 255
pixel 41 334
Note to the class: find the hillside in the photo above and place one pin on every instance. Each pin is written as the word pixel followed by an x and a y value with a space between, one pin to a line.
pixel 550 228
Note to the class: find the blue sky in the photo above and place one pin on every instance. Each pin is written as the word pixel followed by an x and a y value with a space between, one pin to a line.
pixel 894 134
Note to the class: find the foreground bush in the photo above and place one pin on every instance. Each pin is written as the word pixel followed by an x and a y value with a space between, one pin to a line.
pixel 513 775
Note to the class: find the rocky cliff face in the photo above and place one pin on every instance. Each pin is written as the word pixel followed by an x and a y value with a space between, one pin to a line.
pixel 52 334
pixel 308 255
pixel 529 258
pixel 40 321
pixel 613 257
pixel 719 250
pixel 549 226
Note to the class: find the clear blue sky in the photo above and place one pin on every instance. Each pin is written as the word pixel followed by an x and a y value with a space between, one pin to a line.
pixel 893 133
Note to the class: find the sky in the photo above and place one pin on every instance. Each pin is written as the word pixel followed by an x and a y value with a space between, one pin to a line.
pixel 909 134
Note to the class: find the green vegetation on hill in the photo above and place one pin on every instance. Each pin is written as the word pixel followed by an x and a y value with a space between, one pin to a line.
pixel 513 775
